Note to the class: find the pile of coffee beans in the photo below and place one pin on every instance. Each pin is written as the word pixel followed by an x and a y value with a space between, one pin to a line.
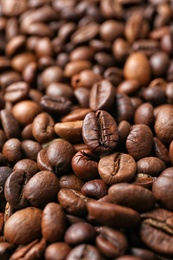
pixel 86 129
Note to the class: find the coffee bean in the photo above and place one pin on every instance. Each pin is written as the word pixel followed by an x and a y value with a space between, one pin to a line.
pixel 16 228
pixel 6 249
pixel 111 242
pixel 143 179
pixel 85 79
pixel 51 74
pixel 9 124
pixel 43 128
pixel 132 196
pixel 49 185
pixel 139 142
pixel 101 95
pixel 30 149
pixel 53 230
pixel 99 131
pixel 112 215
pixel 161 150
pixel 86 251
pixel 117 167
pixel 16 92
pixel 57 251
pixel 12 150
pixel 94 189
pixel 108 31
pixel 57 89
pixel 21 60
pixel 150 165
pixel 154 227
pixel 137 67
pixel 144 114
pixel 27 165
pixel 79 233
pixel 82 53
pixel 75 67
pixel 70 181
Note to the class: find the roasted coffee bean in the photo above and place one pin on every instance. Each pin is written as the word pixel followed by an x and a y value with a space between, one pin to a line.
pixel 79 233
pixel 121 50
pixel 5 172
pixel 85 79
pixel 85 34
pixel 139 142
pixel 108 31
pixel 137 67
pixel 95 189
pixel 57 89
pixel 70 131
pixel 84 251
pixel 43 128
pixel 6 250
pixel 51 74
pixel 58 157
pixel 56 105
pixel 53 223
pixel 43 162
pixel 72 201
pixel 85 164
pixel 101 95
pixel 132 196
pixel 9 124
pixel 76 114
pixel 111 242
pixel 21 60
pixel 159 62
pixel 114 75
pixel 151 165
pixel 144 114
pixel 57 251
pixel 82 53
pixel 143 179
pixel 161 151
pixel 16 92
pixel 9 8
pixel 116 168
pixel 75 67
pixel 45 181
pixel 129 257
pixel 123 131
pixel 12 150
pixel 31 148
pixel 25 111
pixel 82 95
pixel 162 190
pixel 99 131
pixel 14 187
pixel 112 215
pixel 143 253
pixel 128 87
pixel 157 224
pixel 70 181
pixel 23 226
pixel 27 165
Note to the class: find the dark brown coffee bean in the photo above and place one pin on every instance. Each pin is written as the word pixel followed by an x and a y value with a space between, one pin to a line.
pixel 5 172
pixel 117 167
pixel 13 8
pixel 123 131
pixel 15 44
pixel 82 95
pixel 30 149
pixel 99 131
pixel 56 105
pixel 112 215
pixel 21 60
pixel 132 196
pixel 156 95
pixel 8 78
pixel 44 47
pixel 29 72
pixel 162 190
pixel 70 131
pixel 26 133
pixel 16 92
pixel 121 50
pixel 111 9
pixel 43 162
pixel 45 181
pixel 86 33
pixel 144 114
pixel 143 253
pixel 14 186
pixel 123 107
pixel 111 30
pixel 137 67
pixel 75 67
pixel 161 151
pixel 12 150
pixel 27 165
pixel 25 111
pixel 72 201
pixel 159 62
pixel 85 79
pixel 111 242
pixel 82 53
pixel 57 89
pixel 128 87
pixel 43 128
pixel 79 233
pixel 143 179
pixel 94 189
pixel 163 125
pixel 151 165
pixel 58 157
pixel 84 251
pixel 51 74
pixel 70 181
pixel 157 227
pixel 57 251
pixel 23 226
pixel 53 230
pixel 104 59
pixel 84 164
pixel 9 124
pixel 114 75
pixel 139 142
pixel 168 172
pixel 101 95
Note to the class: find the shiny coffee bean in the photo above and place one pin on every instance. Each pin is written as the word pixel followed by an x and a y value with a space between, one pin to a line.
pixel 57 251
pixel 151 165
pixel 10 125
pixel 116 168
pixel 99 131
pixel 17 91
pixel 94 189
pixel 84 251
